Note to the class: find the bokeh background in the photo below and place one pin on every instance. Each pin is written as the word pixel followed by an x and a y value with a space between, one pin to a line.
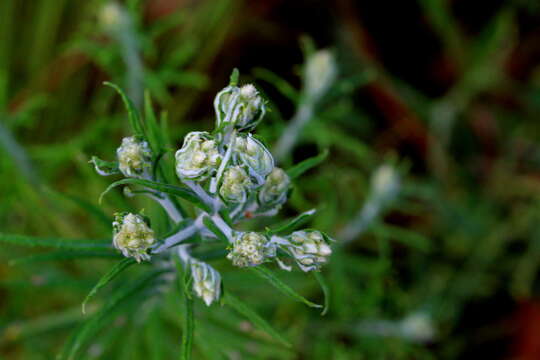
pixel 446 92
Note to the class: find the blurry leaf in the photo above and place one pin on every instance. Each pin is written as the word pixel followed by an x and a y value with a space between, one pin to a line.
pixel 55 242
pixel 281 286
pixel 258 321
pixel 404 236
pixel 188 324
pixel 325 289
pixel 294 223
pixel 279 83
pixel 63 255
pixel 234 77
pixel 153 128
pixel 78 339
pixel 105 168
pixel 133 114
pixel 181 192
pixel 307 164
pixel 105 279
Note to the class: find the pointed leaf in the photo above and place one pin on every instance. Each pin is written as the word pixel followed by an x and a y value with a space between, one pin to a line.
pixel 294 223
pixel 281 286
pixel 63 255
pixel 325 289
pixel 61 243
pixel 251 315
pixel 133 114
pixel 307 164
pixel 107 278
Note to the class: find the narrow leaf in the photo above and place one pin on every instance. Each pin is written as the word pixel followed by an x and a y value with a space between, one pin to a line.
pixel 181 192
pixel 107 278
pixel 63 255
pixel 61 243
pixel 307 164
pixel 188 324
pixel 257 320
pixel 79 338
pixel 133 114
pixel 325 289
pixel 234 77
pixel 294 223
pixel 281 286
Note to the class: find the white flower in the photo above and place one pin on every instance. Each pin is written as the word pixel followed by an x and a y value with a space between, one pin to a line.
pixel 320 72
pixel 250 249
pixel 242 108
pixel 274 190
pixel 134 157
pixel 236 185
pixel 253 154
pixel 198 158
pixel 206 281
pixel 132 236
pixel 309 249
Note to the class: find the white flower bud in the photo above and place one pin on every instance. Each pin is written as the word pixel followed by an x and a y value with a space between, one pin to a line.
pixel 134 157
pixel 253 154
pixel 111 15
pixel 309 249
pixel 250 249
pixel 242 108
pixel 198 158
pixel 320 72
pixel 132 236
pixel 275 188
pixel 236 185
pixel 206 281
pixel 385 182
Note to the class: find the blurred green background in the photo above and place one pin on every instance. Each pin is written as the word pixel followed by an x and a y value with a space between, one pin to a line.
pixel 445 91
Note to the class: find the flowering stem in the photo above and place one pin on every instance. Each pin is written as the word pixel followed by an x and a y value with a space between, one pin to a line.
pixel 292 132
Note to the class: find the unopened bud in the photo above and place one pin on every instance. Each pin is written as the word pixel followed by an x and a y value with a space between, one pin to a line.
pixel 253 154
pixel 206 281
pixel 275 188
pixel 198 158
pixel 320 72
pixel 236 185
pixel 134 157
pixel 241 108
pixel 309 249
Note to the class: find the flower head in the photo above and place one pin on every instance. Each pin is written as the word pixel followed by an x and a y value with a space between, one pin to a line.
pixel 309 249
pixel 254 155
pixel 250 249
pixel 206 281
pixel 198 158
pixel 236 185
pixel 240 107
pixel 275 188
pixel 132 236
pixel 134 157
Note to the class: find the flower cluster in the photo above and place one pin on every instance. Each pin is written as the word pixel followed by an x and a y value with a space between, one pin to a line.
pixel 133 236
pixel 231 176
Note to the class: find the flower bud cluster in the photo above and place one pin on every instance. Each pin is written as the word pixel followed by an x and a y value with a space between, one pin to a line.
pixel 198 158
pixel 239 107
pixel 250 249
pixel 309 249
pixel 134 157
pixel 206 281
pixel 274 191
pixel 132 236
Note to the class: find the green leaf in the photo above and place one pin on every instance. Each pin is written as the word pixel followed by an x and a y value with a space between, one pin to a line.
pixel 181 192
pixel 281 286
pixel 63 255
pixel 188 324
pixel 157 143
pixel 209 223
pixel 325 289
pixel 258 321
pixel 54 242
pixel 107 278
pixel 78 339
pixel 307 164
pixel 294 223
pixel 104 168
pixel 234 77
pixel 133 114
